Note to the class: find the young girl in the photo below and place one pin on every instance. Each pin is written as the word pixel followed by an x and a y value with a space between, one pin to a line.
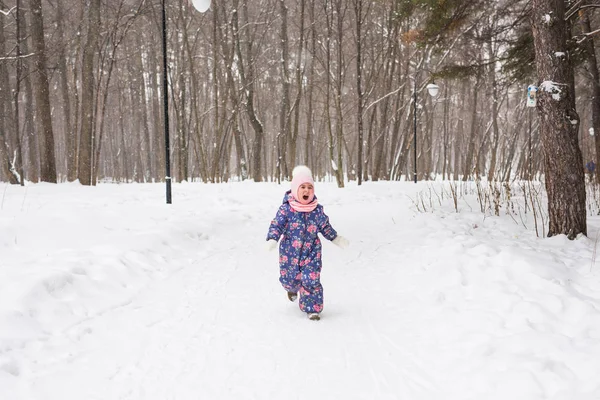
pixel 297 222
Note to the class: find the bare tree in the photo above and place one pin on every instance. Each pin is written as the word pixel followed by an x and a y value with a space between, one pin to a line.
pixel 244 88
pixel 334 12
pixel 116 32
pixel 245 52
pixel 492 50
pixel 223 36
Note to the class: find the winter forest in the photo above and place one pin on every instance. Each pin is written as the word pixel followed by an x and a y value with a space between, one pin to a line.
pixel 453 249
pixel 256 87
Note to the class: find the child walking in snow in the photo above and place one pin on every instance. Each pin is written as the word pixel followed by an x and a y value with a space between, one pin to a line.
pixel 297 223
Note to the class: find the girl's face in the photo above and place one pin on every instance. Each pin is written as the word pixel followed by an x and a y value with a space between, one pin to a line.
pixel 306 193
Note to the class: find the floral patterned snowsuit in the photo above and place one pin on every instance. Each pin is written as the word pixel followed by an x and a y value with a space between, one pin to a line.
pixel 300 251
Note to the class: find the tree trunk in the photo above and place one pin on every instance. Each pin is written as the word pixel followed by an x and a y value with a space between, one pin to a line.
pixel 75 81
pixel 70 136
pixel 287 158
pixel 358 7
pixel 339 125
pixel 308 144
pixel 135 122
pixel 219 96
pixel 6 124
pixel 185 96
pixel 147 144
pixel 181 138
pixel 156 123
pixel 107 63
pixel 42 97
pixel 85 169
pixel 228 55
pixel 299 84
pixel 559 122
pixel 445 172
pixel 459 137
pixel 328 84
pixel 590 58
pixel 494 106
pixel 26 133
pixel 469 164
pixel 428 140
pixel 247 74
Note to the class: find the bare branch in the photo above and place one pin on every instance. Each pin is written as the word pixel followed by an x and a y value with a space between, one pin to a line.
pixel 576 8
pixel 6 13
pixel 582 37
pixel 16 57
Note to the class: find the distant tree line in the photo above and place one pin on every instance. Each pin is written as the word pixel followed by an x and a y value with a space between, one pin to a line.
pixel 259 86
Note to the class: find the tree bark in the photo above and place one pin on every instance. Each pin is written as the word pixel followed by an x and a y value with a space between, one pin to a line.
pixel 340 65
pixel 6 124
pixel 559 122
pixel 143 105
pixel 494 106
pixel 594 80
pixel 158 143
pixel 28 148
pixel 459 136
pixel 85 169
pixel 470 155
pixel 299 85
pixel 358 11
pixel 308 148
pixel 445 172
pixel 42 97
pixel 70 136
pixel 285 139
pixel 247 74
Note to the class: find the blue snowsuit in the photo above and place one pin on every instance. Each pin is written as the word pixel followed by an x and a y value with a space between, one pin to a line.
pixel 300 251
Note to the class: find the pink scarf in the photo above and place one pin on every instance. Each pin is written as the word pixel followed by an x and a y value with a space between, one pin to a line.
pixel 299 207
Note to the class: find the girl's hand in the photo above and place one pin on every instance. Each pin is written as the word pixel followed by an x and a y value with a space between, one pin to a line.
pixel 341 242
pixel 271 244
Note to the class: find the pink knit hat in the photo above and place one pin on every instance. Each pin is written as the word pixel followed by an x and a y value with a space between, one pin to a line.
pixel 301 174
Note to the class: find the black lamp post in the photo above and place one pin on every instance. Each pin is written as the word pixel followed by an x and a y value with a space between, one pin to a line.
pixel 433 90
pixel 165 87
pixel 202 6
pixel 415 130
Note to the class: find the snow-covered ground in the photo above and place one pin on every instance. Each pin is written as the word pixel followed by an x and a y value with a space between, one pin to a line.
pixel 108 293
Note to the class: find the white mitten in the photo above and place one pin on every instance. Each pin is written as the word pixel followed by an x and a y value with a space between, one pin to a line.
pixel 341 242
pixel 271 244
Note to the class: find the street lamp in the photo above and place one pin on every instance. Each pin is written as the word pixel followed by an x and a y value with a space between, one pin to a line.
pixel 202 6
pixel 433 90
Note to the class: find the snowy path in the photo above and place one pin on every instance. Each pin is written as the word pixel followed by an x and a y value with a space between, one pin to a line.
pixel 421 306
